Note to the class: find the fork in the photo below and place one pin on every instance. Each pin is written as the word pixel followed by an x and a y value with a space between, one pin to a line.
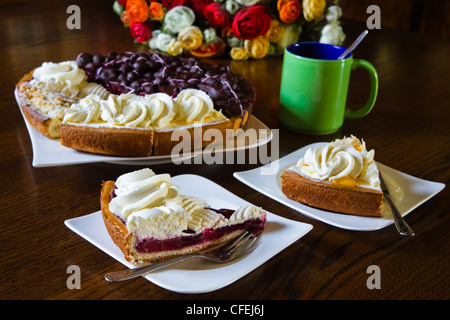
pixel 221 254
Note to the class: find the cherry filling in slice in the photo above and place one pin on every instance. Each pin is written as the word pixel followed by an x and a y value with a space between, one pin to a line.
pixel 149 245
pixel 190 238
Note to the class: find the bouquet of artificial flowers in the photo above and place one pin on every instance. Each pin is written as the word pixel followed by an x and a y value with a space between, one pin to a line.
pixel 243 28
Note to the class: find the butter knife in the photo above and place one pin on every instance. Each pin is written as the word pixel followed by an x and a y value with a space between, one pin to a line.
pixel 402 227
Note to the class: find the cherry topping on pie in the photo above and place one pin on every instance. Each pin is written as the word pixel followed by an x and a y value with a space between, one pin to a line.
pixel 146 73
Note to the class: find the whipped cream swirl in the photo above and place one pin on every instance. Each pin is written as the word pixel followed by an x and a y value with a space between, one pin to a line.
pixel 140 190
pixel 157 110
pixel 245 213
pixel 129 110
pixel 196 105
pixel 341 160
pixel 87 110
pixel 66 71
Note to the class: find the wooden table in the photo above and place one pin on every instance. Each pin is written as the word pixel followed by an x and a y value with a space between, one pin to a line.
pixel 408 128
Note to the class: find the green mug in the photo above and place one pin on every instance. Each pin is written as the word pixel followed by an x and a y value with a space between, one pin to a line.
pixel 314 86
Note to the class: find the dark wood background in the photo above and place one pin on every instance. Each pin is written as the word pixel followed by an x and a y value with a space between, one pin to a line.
pixel 408 128
pixel 431 17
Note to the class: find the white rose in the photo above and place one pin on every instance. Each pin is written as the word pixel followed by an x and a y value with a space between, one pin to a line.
pixel 178 18
pixel 209 35
pixel 232 6
pixel 160 40
pixel 333 34
pixel 333 14
pixel 247 3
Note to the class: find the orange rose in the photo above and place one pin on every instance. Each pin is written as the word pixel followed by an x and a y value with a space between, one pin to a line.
pixel 156 11
pixel 227 32
pixel 137 10
pixel 290 11
pixel 281 3
pixel 209 50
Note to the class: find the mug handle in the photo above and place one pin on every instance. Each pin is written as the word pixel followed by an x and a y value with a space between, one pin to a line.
pixel 359 113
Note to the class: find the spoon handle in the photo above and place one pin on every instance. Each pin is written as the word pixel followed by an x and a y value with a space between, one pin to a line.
pixel 354 44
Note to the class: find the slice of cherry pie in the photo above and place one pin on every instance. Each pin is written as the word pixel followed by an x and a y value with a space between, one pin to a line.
pixel 149 219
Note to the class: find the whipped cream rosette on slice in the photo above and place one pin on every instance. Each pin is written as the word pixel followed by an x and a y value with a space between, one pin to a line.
pixel 150 219
pixel 341 176
pixel 344 161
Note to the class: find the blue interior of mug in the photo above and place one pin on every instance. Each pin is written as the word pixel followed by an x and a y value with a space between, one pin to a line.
pixel 317 50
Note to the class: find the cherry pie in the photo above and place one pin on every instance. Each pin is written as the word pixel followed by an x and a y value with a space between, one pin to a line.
pixel 149 219
pixel 130 104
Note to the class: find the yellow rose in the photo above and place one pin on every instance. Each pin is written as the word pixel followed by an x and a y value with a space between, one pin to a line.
pixel 174 48
pixel 290 35
pixel 275 31
pixel 125 18
pixel 313 9
pixel 257 48
pixel 239 53
pixel 190 38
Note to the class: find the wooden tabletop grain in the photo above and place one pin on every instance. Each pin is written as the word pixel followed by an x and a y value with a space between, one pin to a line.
pixel 409 128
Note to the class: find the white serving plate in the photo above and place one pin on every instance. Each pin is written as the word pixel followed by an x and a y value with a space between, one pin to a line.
pixel 198 275
pixel 408 192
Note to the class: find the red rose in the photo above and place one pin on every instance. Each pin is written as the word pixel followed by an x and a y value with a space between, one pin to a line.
pixel 123 3
pixel 141 31
pixel 216 15
pixel 169 4
pixel 251 22
pixel 198 6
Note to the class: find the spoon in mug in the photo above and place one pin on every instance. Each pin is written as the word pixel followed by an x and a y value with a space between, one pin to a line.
pixel 353 45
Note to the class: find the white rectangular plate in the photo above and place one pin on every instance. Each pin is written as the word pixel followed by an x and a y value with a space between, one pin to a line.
pixel 408 192
pixel 48 152
pixel 198 275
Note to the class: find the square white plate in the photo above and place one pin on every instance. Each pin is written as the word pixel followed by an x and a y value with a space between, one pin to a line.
pixel 197 275
pixel 408 192
pixel 48 152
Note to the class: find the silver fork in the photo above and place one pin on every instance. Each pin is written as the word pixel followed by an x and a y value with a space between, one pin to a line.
pixel 223 253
